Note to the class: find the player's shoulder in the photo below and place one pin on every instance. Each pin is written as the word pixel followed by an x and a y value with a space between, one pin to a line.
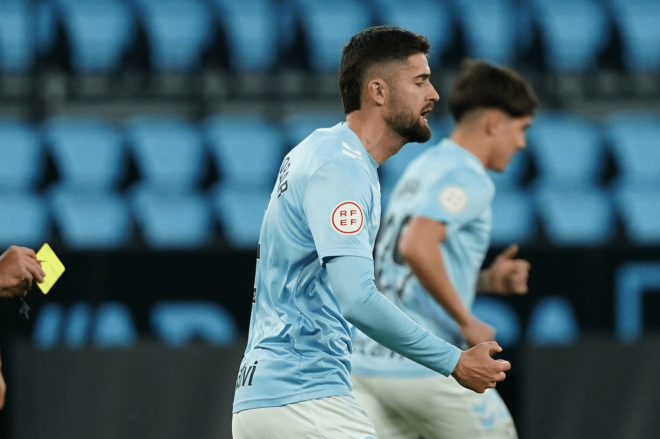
pixel 459 166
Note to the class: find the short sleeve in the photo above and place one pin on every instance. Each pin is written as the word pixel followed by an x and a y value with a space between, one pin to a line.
pixel 337 204
pixel 457 198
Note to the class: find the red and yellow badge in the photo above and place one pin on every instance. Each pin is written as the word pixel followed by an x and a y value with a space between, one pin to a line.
pixel 347 218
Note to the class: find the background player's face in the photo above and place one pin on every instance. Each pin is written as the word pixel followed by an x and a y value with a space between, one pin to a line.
pixel 509 138
pixel 412 98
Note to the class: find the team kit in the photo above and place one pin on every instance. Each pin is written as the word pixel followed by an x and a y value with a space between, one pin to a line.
pixel 360 330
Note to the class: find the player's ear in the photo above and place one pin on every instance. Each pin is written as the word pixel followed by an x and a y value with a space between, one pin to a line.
pixel 493 120
pixel 377 91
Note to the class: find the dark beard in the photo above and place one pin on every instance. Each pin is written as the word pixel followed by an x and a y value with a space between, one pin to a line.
pixel 408 125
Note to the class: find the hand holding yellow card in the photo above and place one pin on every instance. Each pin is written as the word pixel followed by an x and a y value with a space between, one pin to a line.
pixel 51 265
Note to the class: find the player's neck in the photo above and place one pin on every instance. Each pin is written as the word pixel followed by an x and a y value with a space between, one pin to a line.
pixel 473 142
pixel 376 136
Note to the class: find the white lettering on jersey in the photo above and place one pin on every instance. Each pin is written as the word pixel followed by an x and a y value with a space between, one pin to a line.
pixel 454 199
pixel 347 218
pixel 351 152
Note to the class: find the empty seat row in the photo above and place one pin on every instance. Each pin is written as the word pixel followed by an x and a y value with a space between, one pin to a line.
pixel 257 32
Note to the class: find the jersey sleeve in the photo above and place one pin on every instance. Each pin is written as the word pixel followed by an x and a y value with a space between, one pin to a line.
pixel 337 204
pixel 456 199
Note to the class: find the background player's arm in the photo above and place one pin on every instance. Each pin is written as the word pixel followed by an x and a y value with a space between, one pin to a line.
pixel 420 247
pixel 505 275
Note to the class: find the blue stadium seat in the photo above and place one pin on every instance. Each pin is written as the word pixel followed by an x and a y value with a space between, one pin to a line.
pixel 635 142
pixel 487 28
pixel 91 221
pixel 179 323
pixel 501 316
pixel 328 26
pixel 178 32
pixel 633 280
pixel 251 27
pixel 513 218
pixel 568 151
pixel 240 211
pixel 114 327
pixel 552 323
pixel 48 326
pixel 430 18
pixel 512 177
pixel 173 221
pixel 640 34
pixel 78 325
pixel 89 154
pixel 574 32
pixel 21 156
pixel 639 208
pixel 299 126
pixel 17 45
pixel 23 220
pixel 247 150
pixel 99 33
pixel 169 152
pixel 45 27
pixel 576 217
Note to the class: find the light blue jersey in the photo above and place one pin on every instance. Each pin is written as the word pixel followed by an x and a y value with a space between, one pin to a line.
pixel 326 202
pixel 449 184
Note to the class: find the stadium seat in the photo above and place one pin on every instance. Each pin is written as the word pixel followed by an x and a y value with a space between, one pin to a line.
pixel 175 221
pixel 640 34
pixel 513 218
pixel 300 125
pixel 426 17
pixel 552 323
pixel 501 317
pixel 17 45
pixel 635 142
pixel 487 29
pixel 574 32
pixel 178 32
pixel 89 154
pixel 576 217
pixel 21 156
pixel 632 281
pixel 179 323
pixel 23 220
pixel 78 325
pixel 48 326
pixel 169 152
pixel 113 326
pixel 91 221
pixel 639 208
pixel 240 211
pixel 45 27
pixel 247 150
pixel 99 33
pixel 251 27
pixel 327 26
pixel 512 177
pixel 568 151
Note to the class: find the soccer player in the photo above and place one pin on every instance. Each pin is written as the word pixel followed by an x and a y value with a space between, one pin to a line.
pixel 314 275
pixel 18 269
pixel 435 235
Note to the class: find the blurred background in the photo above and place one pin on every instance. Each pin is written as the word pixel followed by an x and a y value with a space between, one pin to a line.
pixel 141 139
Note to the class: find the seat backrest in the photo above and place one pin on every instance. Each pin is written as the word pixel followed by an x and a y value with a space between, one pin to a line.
pixel 635 142
pixel 179 323
pixel 299 126
pixel 553 322
pixel 24 220
pixel 637 21
pixel 17 45
pixel 21 156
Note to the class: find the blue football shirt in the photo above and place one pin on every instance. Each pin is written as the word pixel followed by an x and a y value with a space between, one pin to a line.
pixel 326 202
pixel 449 184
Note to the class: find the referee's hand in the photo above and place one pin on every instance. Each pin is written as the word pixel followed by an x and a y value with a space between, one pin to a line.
pixel 3 389
pixel 19 268
pixel 477 371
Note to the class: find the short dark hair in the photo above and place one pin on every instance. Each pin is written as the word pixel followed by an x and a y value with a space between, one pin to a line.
pixel 374 46
pixel 482 85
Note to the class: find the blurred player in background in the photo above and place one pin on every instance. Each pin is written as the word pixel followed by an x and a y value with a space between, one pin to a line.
pixel 315 271
pixel 428 256
pixel 19 268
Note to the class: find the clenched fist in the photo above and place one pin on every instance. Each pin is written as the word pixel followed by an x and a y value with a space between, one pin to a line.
pixel 19 268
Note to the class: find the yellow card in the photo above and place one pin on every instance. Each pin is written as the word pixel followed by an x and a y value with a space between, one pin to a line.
pixel 51 265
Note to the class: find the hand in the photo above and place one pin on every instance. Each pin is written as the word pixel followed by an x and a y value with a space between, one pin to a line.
pixel 507 275
pixel 18 269
pixel 3 389
pixel 475 331
pixel 477 371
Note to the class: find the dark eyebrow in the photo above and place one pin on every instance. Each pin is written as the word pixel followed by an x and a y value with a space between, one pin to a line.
pixel 423 76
